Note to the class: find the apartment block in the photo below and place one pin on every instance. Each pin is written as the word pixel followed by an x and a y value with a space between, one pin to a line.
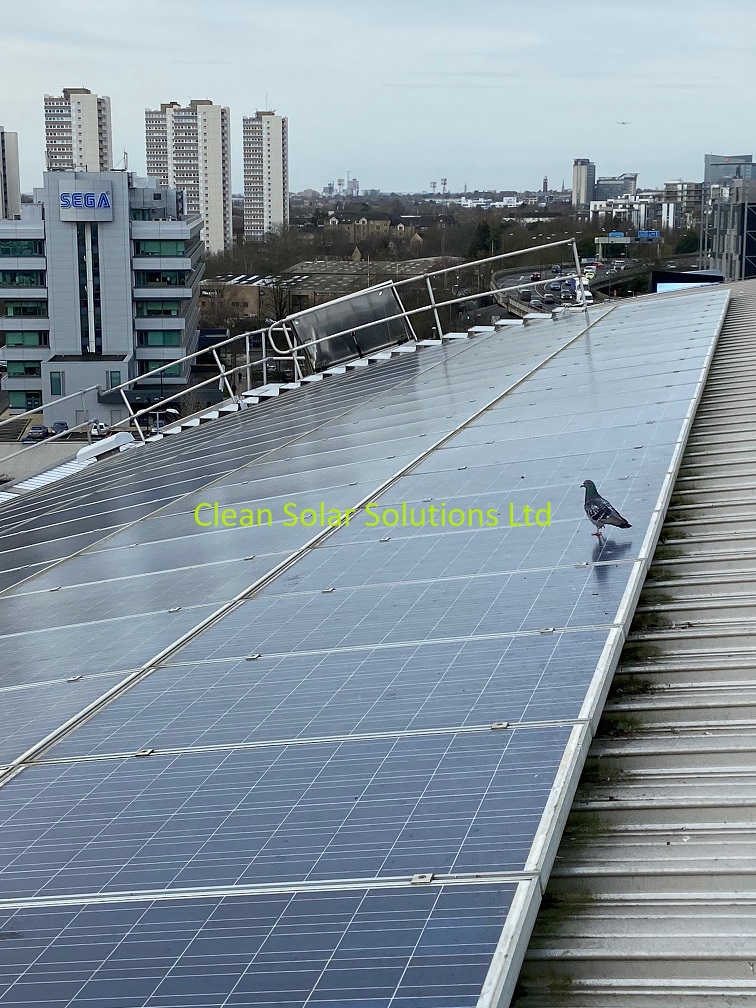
pixel 189 148
pixel 266 174
pixel 10 180
pixel 78 132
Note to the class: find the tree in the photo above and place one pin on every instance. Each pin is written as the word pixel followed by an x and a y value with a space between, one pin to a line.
pixel 687 243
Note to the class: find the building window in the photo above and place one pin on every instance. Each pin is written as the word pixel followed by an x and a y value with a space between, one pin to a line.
pixel 146 366
pixel 24 369
pixel 157 309
pixel 114 379
pixel 22 278
pixel 56 383
pixel 27 400
pixel 22 247
pixel 157 247
pixel 26 309
pixel 159 337
pixel 16 339
pixel 160 278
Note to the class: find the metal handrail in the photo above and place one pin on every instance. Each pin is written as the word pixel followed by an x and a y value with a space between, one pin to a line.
pixel 294 352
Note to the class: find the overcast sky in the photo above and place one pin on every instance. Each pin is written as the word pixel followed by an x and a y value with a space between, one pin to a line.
pixel 493 94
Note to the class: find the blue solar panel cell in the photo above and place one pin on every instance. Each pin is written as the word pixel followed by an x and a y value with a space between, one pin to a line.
pixel 430 686
pixel 429 947
pixel 378 808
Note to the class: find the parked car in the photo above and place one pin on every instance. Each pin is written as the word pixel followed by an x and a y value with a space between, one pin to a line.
pixel 60 427
pixel 98 429
pixel 37 433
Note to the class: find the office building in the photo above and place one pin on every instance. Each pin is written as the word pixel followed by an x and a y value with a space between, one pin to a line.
pixel 99 283
pixel 720 169
pixel 78 134
pixel 583 181
pixel 730 231
pixel 10 182
pixel 616 186
pixel 189 148
pixel 266 174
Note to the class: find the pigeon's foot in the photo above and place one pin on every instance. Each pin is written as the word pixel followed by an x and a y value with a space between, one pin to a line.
pixel 598 534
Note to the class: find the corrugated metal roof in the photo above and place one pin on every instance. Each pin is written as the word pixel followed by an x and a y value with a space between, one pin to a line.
pixel 653 897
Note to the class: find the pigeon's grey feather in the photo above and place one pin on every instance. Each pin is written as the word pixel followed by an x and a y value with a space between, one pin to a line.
pixel 599 511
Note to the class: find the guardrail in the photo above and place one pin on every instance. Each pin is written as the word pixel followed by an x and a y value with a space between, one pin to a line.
pixel 300 353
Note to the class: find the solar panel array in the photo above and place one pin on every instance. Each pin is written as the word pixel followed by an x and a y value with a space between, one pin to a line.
pixel 329 766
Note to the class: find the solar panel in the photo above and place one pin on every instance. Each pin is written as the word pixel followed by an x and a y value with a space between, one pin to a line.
pixel 345 727
pixel 427 947
pixel 411 688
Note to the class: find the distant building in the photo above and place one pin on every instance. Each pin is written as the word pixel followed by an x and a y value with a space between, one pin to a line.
pixel 266 174
pixel 640 212
pixel 357 227
pixel 10 181
pixel 719 169
pixel 583 181
pixel 353 187
pixel 78 134
pixel 189 148
pixel 682 203
pixel 99 284
pixel 730 237
pixel 613 187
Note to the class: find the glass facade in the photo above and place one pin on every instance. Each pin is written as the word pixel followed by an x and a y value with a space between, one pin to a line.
pixel 146 366
pixel 160 247
pixel 159 337
pixel 29 399
pixel 30 338
pixel 160 278
pixel 22 247
pixel 157 309
pixel 24 369
pixel 22 278
pixel 26 309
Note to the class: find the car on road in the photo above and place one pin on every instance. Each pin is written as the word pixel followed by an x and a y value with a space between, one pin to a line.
pixel 555 286
pixel 524 295
pixel 37 433
pixel 671 265
pixel 535 276
pixel 536 302
pixel 548 299
pixel 556 269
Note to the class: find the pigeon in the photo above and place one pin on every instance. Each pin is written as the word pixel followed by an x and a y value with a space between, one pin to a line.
pixel 600 511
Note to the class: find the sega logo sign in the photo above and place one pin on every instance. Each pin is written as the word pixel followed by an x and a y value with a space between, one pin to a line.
pixel 84 200
pixel 88 200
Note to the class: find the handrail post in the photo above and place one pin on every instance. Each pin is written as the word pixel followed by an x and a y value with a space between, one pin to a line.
pixel 248 371
pixel 405 315
pixel 222 372
pixel 133 416
pixel 435 309
pixel 264 344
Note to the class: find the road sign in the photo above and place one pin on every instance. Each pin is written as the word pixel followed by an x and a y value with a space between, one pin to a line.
pixel 648 234
pixel 616 234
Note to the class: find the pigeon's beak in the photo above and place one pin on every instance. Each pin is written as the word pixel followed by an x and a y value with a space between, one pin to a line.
pixel 582 484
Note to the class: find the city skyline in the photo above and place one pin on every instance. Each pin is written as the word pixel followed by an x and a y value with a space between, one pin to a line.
pixel 494 98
